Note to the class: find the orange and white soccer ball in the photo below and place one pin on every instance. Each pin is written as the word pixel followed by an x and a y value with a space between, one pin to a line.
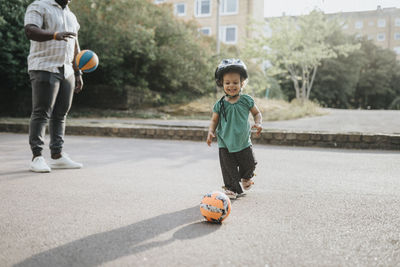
pixel 215 206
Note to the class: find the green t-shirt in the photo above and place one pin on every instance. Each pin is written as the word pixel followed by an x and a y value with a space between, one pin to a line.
pixel 234 133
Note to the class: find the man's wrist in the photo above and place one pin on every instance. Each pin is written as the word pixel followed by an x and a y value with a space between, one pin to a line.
pixel 78 73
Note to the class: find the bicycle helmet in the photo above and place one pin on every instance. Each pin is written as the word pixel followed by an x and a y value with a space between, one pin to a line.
pixel 227 65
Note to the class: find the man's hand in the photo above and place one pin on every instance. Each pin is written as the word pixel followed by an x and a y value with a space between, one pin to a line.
pixel 37 34
pixel 63 36
pixel 210 136
pixel 78 83
pixel 257 126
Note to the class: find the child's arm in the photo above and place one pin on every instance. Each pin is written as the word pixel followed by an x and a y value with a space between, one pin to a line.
pixel 257 119
pixel 213 126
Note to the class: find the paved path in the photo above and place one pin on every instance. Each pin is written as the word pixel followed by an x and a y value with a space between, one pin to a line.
pixel 136 203
pixel 363 121
pixel 337 120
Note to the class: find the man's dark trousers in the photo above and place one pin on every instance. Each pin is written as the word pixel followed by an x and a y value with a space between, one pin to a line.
pixel 52 95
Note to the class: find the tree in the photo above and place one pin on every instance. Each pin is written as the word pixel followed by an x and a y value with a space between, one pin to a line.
pixel 144 48
pixel 336 80
pixel 375 88
pixel 297 46
pixel 15 93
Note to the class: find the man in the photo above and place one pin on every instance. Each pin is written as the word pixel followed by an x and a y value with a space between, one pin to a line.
pixel 53 30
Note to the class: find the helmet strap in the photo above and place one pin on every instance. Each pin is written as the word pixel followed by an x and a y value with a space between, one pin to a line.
pixel 233 96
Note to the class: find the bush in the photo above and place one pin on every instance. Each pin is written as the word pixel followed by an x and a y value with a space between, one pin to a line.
pixel 15 92
pixel 143 46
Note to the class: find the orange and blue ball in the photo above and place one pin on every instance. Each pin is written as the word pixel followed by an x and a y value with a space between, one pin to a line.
pixel 215 206
pixel 87 61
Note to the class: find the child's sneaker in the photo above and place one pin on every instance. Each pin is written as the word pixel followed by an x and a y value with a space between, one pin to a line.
pixel 240 195
pixel 247 183
pixel 229 193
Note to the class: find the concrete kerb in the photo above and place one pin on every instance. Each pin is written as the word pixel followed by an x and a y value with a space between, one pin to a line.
pixel 351 140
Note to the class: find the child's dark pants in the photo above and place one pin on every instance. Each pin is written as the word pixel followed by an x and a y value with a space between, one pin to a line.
pixel 235 166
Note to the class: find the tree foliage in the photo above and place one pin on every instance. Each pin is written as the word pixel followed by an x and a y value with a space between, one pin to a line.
pixel 336 80
pixel 14 47
pixel 376 87
pixel 367 78
pixel 144 46
pixel 352 72
pixel 297 46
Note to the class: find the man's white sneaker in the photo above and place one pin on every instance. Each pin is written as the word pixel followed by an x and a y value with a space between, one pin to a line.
pixel 65 162
pixel 39 164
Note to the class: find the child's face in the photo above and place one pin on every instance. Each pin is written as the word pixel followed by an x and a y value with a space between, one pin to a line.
pixel 232 83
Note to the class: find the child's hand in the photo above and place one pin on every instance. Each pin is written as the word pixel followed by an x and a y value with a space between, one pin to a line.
pixel 210 136
pixel 257 126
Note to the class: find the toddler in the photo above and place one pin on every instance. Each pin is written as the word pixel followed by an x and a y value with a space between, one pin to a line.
pixel 230 123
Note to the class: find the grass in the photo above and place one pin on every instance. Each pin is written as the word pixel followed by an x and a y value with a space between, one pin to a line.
pixel 201 109
pixel 278 110
pixel 272 110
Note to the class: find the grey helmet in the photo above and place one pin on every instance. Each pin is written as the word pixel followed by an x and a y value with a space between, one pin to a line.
pixel 227 65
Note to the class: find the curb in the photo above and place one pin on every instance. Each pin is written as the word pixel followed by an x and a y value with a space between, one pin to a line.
pixel 351 140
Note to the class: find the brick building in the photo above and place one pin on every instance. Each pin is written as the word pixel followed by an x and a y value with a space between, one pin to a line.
pixel 381 25
pixel 235 16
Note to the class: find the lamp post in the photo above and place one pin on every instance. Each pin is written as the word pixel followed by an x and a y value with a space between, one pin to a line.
pixel 217 31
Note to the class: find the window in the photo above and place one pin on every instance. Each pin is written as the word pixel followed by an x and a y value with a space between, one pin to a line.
pixel 381 23
pixel 345 26
pixel 397 35
pixel 371 23
pixel 381 37
pixel 397 50
pixel 359 24
pixel 228 34
pixel 202 8
pixel 397 22
pixel 205 31
pixel 229 7
pixel 370 37
pixel 180 9
pixel 159 1
pixel 358 36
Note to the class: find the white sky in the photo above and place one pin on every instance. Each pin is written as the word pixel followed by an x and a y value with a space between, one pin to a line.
pixel 274 8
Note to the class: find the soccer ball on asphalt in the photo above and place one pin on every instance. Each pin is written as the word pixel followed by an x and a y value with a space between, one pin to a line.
pixel 215 206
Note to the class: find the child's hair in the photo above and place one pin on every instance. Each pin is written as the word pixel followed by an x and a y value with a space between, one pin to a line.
pixel 230 65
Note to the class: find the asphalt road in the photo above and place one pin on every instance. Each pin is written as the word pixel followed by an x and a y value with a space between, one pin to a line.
pixel 334 121
pixel 136 203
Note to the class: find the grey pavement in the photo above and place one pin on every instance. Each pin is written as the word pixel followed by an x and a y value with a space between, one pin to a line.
pixel 136 203
pixel 336 120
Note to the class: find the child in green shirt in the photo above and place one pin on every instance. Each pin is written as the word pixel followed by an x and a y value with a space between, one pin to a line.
pixel 231 125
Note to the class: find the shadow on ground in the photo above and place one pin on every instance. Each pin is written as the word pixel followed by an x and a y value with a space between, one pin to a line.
pixel 104 247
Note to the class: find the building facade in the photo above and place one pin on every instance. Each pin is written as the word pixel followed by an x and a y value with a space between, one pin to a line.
pixel 234 16
pixel 381 26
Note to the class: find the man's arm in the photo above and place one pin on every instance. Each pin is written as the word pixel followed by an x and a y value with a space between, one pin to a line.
pixel 37 34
